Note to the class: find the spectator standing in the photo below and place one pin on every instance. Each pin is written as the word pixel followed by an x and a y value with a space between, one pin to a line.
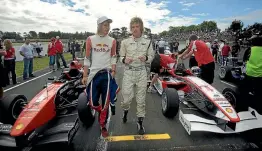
pixel 2 70
pixel 9 62
pixel 52 54
pixel 26 51
pixel 161 46
pixel 215 48
pixel 78 53
pixel 225 53
pixel 59 53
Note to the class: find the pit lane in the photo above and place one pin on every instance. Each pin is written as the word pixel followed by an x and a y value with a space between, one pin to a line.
pixel 155 123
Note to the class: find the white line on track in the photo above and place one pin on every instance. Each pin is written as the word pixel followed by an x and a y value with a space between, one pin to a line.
pixel 27 81
pixel 228 84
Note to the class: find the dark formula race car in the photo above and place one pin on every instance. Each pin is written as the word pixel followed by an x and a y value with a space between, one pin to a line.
pixel 48 118
pixel 233 70
pixel 200 106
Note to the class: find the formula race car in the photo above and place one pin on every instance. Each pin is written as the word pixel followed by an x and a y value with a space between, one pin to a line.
pixel 48 118
pixel 200 106
pixel 233 70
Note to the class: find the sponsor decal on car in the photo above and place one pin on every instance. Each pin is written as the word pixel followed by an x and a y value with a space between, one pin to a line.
pixel 19 126
pixel 229 110
pixel 5 127
pixel 220 99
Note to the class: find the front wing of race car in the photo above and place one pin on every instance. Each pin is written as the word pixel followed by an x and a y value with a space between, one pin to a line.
pixel 59 130
pixel 194 121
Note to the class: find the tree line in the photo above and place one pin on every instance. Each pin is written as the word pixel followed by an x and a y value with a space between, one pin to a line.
pixel 42 35
pixel 205 26
pixel 122 32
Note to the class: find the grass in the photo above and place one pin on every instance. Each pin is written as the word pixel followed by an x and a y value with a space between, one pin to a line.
pixel 39 64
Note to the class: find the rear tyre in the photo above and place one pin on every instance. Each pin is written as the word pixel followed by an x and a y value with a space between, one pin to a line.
pixel 170 102
pixel 11 106
pixel 85 113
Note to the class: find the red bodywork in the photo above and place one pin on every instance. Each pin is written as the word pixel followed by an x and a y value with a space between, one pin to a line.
pixel 37 112
pixel 187 88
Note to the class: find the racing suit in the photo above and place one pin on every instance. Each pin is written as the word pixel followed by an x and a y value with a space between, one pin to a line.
pixel 101 54
pixel 135 73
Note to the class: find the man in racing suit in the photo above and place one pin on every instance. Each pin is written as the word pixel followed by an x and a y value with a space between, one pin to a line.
pixel 203 57
pixel 135 51
pixel 101 58
pixel 165 62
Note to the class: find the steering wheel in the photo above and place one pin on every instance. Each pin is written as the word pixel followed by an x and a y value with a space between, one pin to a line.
pixel 180 68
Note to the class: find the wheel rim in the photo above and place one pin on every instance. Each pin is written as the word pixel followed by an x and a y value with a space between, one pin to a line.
pixel 164 101
pixel 231 98
pixel 222 72
pixel 18 107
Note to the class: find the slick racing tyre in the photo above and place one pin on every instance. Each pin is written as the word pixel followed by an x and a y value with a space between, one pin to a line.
pixel 231 96
pixel 11 106
pixel 85 113
pixel 170 102
pixel 224 73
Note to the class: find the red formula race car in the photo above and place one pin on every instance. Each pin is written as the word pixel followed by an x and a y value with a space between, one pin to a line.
pixel 200 106
pixel 48 118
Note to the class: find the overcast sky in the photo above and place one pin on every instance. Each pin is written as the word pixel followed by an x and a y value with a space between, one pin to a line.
pixel 81 15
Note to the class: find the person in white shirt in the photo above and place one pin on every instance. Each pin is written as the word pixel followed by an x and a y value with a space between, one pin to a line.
pixel 208 44
pixel 221 45
pixel 161 46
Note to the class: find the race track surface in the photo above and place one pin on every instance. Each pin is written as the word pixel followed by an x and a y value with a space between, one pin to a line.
pixel 169 133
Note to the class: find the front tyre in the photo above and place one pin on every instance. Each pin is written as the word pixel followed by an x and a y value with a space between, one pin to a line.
pixel 170 102
pixel 85 113
pixel 11 106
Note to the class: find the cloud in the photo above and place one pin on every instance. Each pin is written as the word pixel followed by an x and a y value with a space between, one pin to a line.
pixel 246 9
pixel 81 15
pixel 185 9
pixel 201 14
pixel 250 18
pixel 188 4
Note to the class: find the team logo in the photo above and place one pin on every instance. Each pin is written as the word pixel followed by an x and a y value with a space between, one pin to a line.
pixel 19 126
pixel 229 110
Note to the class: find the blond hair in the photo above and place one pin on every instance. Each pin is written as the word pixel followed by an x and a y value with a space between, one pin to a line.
pixel 137 20
pixel 8 44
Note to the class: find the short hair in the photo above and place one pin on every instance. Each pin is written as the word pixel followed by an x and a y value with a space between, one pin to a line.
pixel 137 20
pixel 193 37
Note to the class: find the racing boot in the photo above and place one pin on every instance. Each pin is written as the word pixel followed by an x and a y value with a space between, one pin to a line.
pixel 140 127
pixel 104 132
pixel 125 116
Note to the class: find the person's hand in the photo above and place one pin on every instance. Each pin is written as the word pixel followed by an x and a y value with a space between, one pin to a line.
pixel 84 80
pixel 113 73
pixel 180 57
pixel 128 60
pixel 3 52
pixel 142 58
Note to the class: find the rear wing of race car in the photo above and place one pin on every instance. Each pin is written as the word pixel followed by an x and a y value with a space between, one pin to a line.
pixel 193 121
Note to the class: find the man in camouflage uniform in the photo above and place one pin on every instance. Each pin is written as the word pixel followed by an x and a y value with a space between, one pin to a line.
pixel 135 51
